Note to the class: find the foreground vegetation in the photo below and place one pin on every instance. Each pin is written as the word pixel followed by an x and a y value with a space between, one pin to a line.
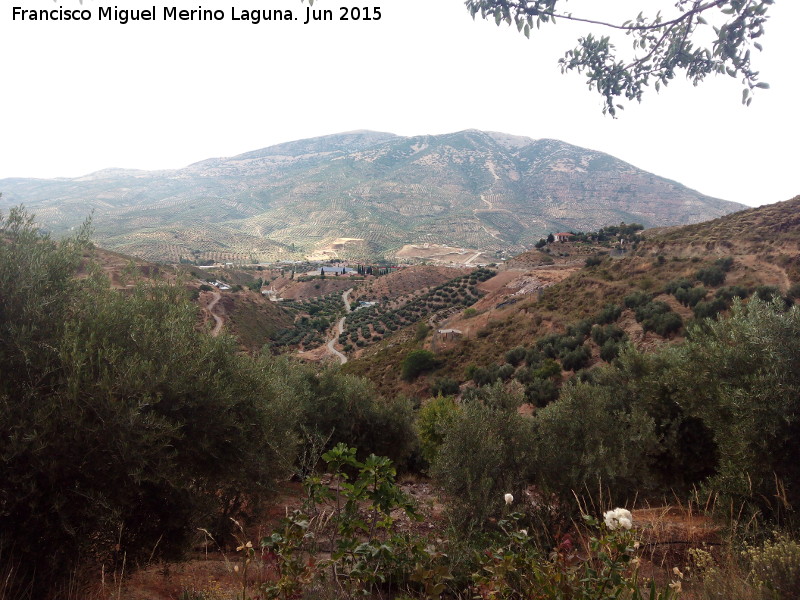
pixel 126 431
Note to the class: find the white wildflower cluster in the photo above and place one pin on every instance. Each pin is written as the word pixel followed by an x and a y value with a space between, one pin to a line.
pixel 619 518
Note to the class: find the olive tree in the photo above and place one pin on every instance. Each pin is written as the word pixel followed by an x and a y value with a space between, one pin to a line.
pixel 697 37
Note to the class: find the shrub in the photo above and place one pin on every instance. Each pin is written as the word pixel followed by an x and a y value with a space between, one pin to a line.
pixel 484 455
pixel 651 309
pixel 516 355
pixel 588 438
pixel 580 329
pixel 775 565
pixel 637 299
pixel 677 284
pixel 548 369
pixel 576 359
pixel 710 309
pixel 730 292
pixel 593 261
pixel 724 263
pixel 690 296
pixel 600 335
pixel 417 362
pixel 766 292
pixel 504 372
pixel 609 314
pixel 433 421
pixel 712 276
pixel 122 424
pixel 541 392
pixel 663 324
pixel 751 402
pixel 444 386
pixel 422 330
pixel 610 350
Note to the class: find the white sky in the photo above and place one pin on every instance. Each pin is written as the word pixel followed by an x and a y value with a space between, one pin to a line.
pixel 78 97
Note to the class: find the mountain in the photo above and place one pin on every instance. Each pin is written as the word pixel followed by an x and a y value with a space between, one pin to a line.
pixel 361 194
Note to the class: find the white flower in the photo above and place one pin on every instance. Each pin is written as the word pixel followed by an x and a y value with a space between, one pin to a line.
pixel 618 518
pixel 509 498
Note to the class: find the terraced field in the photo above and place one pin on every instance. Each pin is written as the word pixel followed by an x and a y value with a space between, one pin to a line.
pixel 370 324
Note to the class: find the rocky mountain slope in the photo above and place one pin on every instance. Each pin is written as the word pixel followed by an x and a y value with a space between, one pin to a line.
pixel 362 194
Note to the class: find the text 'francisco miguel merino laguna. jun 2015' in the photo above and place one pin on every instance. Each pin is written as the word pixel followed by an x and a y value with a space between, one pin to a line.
pixel 123 16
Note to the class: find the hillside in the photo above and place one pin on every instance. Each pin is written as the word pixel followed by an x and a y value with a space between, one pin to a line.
pixel 559 305
pixel 363 195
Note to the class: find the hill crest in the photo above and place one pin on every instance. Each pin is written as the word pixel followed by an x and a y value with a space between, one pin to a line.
pixel 487 191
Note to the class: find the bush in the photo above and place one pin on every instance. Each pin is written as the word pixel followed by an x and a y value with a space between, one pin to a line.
pixel 637 299
pixel 710 309
pixel 484 455
pixel 433 421
pixel 600 335
pixel 593 261
pixel 664 324
pixel 123 426
pixel 730 292
pixel 422 331
pixel 677 284
pixel 541 392
pixel 576 359
pixel 548 369
pixel 444 386
pixel 724 263
pixel 516 355
pixel 610 314
pixel 610 350
pixel 775 565
pixel 751 402
pixel 587 439
pixel 417 362
pixel 712 276
pixel 690 296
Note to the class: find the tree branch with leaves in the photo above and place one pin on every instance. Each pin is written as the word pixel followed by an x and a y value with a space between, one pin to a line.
pixel 662 46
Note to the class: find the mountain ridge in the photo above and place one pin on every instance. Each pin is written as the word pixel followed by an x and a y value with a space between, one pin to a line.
pixel 491 191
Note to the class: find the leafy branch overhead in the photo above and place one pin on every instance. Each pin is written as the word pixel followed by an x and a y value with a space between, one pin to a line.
pixel 698 37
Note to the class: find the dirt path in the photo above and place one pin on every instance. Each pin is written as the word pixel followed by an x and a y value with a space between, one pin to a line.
pixel 339 330
pixel 477 254
pixel 218 320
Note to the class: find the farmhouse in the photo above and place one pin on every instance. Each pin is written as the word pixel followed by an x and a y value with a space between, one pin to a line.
pixel 563 237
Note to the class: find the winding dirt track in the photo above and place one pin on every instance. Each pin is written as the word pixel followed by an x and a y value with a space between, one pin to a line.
pixel 340 329
pixel 218 320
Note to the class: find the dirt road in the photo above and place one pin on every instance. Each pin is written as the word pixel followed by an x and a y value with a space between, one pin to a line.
pixel 339 329
pixel 218 320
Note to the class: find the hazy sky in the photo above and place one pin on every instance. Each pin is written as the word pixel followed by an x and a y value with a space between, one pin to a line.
pixel 82 96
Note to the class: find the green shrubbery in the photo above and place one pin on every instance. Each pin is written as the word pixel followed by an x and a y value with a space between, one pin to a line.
pixel 485 453
pixel 125 428
pixel 417 362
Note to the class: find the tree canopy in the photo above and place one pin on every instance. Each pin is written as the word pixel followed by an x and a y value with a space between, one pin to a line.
pixel 697 37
